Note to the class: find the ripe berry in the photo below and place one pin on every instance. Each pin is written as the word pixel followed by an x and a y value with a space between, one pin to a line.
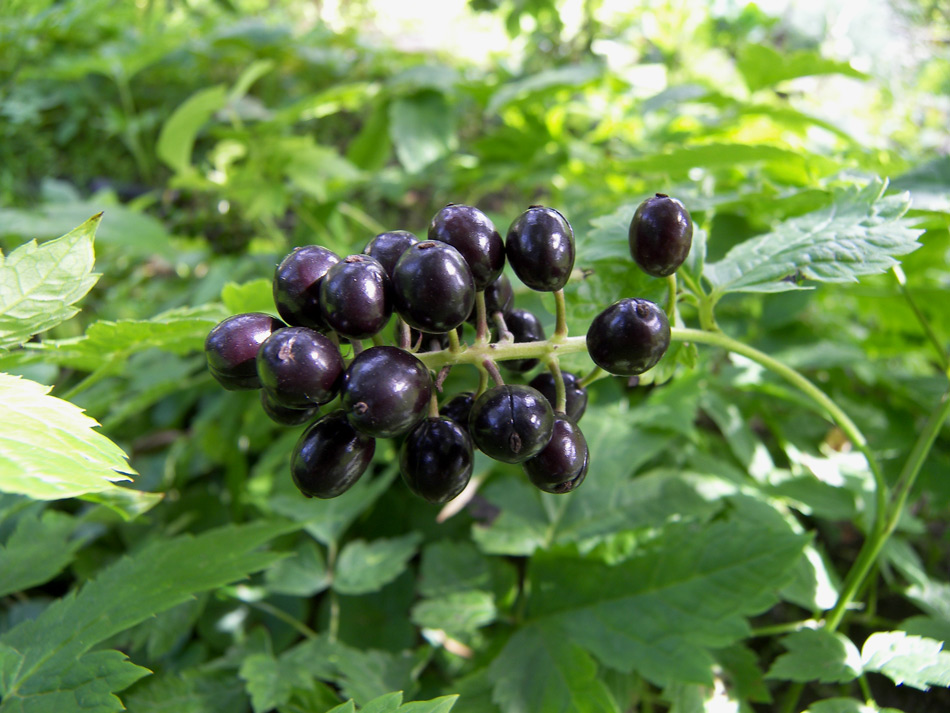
pixel 297 285
pixel 472 233
pixel 525 327
pixel 629 337
pixel 436 460
pixel 283 415
pixel 231 349
pixel 540 248
pixel 356 297
pixel 499 297
pixel 458 408
pixel 330 457
pixel 429 342
pixel 575 393
pixel 660 235
pixel 300 368
pixel 386 391
pixel 389 247
pixel 432 287
pixel 562 463
pixel 511 423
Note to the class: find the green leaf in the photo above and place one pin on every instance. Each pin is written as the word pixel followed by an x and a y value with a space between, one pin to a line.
pixel 254 296
pixel 385 703
pixel 37 550
pixel 857 235
pixel 302 575
pixel 191 691
pixel 456 613
pixel 540 670
pixel 846 705
pixel 365 567
pixel 679 161
pixel 817 655
pixel 177 138
pixel 422 129
pixel 762 66
pixel 45 659
pixel 575 75
pixel 48 449
pixel 450 566
pixel 390 703
pixel 39 284
pixel 913 661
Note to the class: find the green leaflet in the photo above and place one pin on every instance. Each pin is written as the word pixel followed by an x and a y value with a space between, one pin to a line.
pixel 366 567
pixel 817 655
pixel 37 551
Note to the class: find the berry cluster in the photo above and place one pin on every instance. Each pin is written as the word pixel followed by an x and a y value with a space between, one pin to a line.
pixel 314 355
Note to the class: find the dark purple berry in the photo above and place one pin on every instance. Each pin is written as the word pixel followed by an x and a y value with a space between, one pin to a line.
pixel 575 393
pixel 499 297
pixel 458 408
pixel 432 287
pixel 330 457
pixel 470 231
pixel 562 463
pixel 524 327
pixel 232 346
pixel 297 285
pixel 389 247
pixel 660 235
pixel 386 391
pixel 356 297
pixel 429 342
pixel 511 423
pixel 540 248
pixel 283 415
pixel 629 337
pixel 300 367
pixel 436 460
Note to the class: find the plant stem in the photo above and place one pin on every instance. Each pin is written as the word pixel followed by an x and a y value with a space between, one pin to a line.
pixel 481 319
pixel 593 375
pixel 454 344
pixel 560 313
pixel 560 394
pixel 492 368
pixel 278 613
pixel 671 299
pixel 924 322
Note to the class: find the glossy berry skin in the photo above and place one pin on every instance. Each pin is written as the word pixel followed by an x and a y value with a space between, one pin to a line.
pixel 297 286
pixel 511 423
pixel 629 337
pixel 283 415
pixel 386 391
pixel 231 349
pixel 499 297
pixel 436 460
pixel 300 368
pixel 472 233
pixel 388 248
pixel 458 408
pixel 525 327
pixel 576 395
pixel 432 287
pixel 356 297
pixel 540 248
pixel 559 464
pixel 330 457
pixel 660 235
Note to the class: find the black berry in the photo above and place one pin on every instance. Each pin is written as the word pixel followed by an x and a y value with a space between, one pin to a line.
pixel 499 297
pixel 389 247
pixel 458 408
pixel 432 287
pixel 511 423
pixel 472 233
pixel 356 297
pixel 562 463
pixel 436 459
pixel 386 391
pixel 297 285
pixel 540 248
pixel 300 368
pixel 231 349
pixel 629 337
pixel 330 457
pixel 575 393
pixel 660 235
pixel 524 327
pixel 283 415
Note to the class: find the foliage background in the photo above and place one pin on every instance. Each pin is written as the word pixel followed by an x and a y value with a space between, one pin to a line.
pixel 722 510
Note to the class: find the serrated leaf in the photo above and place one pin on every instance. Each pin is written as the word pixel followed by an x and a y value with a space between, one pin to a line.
pixel 914 661
pixel 456 613
pixel 365 567
pixel 39 284
pixel 762 66
pixel 817 655
pixel 452 566
pixel 177 137
pixel 191 691
pixel 39 657
pixel 254 296
pixel 422 129
pixel 48 449
pixel 390 703
pixel 386 703
pixel 857 235
pixel 36 551
pixel 302 575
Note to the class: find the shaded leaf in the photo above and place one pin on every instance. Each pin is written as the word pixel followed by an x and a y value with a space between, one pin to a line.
pixel 456 613
pixel 422 129
pixel 177 138
pixel 575 75
pixel 365 567
pixel 817 655
pixel 37 551
pixel 762 66
pixel 254 296
pixel 191 691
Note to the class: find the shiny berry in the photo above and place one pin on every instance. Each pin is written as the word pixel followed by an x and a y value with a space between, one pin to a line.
pixel 436 459
pixel 386 391
pixel 511 423
pixel 356 297
pixel 499 297
pixel 300 367
pixel 458 408
pixel 330 457
pixel 540 248
pixel 231 349
pixel 472 233
pixel 629 337
pixel 283 415
pixel 389 247
pixel 576 394
pixel 297 285
pixel 660 235
pixel 432 287
pixel 557 467
pixel 524 327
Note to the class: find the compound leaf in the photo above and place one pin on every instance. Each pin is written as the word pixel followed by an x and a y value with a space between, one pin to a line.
pixel 914 661
pixel 817 655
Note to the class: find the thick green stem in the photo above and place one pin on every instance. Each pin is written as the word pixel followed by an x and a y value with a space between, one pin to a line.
pixel 481 319
pixel 454 344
